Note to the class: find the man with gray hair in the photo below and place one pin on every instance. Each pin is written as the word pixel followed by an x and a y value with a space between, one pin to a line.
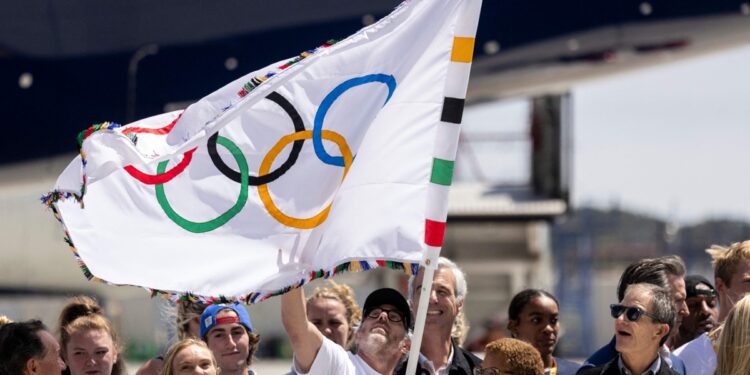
pixel 444 325
pixel 667 272
pixel 381 340
pixel 643 321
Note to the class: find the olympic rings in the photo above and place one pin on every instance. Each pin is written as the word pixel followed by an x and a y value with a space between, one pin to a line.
pixel 265 176
pixel 207 226
pixel 265 165
pixel 325 105
pixel 299 126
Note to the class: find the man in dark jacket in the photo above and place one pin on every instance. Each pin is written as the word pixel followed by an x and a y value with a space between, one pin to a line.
pixel 666 272
pixel 439 353
pixel 643 320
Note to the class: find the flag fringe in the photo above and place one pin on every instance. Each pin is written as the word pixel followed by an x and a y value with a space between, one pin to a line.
pixel 409 268
pixel 257 80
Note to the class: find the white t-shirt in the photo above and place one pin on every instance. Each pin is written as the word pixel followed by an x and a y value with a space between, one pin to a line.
pixel 698 355
pixel 333 359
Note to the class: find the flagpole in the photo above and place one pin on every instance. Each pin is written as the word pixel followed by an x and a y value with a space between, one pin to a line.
pixel 444 155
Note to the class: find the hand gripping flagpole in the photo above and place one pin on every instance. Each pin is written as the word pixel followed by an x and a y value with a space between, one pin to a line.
pixel 444 155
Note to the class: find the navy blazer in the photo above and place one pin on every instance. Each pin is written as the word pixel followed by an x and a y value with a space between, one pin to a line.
pixel 607 352
pixel 612 368
pixel 565 367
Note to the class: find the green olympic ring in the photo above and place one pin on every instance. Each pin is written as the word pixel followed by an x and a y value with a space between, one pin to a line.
pixel 222 219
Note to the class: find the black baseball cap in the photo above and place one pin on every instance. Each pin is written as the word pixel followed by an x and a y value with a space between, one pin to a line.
pixel 388 296
pixel 697 285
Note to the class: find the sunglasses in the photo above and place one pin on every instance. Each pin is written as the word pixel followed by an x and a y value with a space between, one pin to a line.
pixel 393 315
pixel 632 313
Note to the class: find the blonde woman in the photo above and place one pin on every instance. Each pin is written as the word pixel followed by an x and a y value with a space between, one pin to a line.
pixel 733 356
pixel 88 342
pixel 186 321
pixel 190 357
pixel 334 311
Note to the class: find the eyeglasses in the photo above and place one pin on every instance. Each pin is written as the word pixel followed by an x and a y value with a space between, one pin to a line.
pixel 632 313
pixel 491 371
pixel 393 315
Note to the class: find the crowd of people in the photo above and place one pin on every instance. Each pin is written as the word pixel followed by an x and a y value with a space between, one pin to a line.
pixel 665 323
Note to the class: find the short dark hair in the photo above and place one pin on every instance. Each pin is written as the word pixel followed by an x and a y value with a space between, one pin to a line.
pixel 673 265
pixel 521 299
pixel 651 271
pixel 20 342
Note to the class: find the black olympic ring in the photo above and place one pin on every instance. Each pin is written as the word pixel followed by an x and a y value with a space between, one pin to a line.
pixel 299 126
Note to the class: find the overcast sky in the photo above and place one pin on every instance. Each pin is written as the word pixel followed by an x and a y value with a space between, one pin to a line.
pixel 672 140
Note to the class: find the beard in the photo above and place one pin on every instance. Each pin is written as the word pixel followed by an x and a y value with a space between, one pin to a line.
pixel 374 342
pixel 378 344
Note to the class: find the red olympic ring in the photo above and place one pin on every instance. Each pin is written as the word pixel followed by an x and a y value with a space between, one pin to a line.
pixel 159 178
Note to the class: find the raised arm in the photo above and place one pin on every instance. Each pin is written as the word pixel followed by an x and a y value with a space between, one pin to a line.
pixel 306 339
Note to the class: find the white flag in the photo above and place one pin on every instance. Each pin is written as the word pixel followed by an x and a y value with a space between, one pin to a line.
pixel 310 166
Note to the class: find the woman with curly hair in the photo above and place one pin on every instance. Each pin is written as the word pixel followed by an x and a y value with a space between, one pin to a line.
pixel 334 311
pixel 510 356
pixel 88 341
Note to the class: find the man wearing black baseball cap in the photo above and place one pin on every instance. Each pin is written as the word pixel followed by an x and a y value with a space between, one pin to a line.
pixel 388 296
pixel 383 337
pixel 703 304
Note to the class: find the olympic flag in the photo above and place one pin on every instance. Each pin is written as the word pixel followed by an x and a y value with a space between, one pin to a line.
pixel 327 162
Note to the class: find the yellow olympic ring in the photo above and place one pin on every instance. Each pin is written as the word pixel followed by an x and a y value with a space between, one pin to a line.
pixel 265 167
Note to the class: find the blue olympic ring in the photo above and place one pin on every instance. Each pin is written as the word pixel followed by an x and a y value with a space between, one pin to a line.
pixel 317 138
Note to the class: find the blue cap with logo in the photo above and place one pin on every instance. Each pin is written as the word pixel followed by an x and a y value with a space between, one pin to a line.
pixel 209 320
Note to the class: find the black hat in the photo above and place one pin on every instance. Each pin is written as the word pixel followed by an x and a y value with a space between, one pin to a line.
pixel 697 285
pixel 388 296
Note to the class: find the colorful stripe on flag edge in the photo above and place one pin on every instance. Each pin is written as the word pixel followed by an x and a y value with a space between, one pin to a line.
pixel 257 80
pixel 50 201
pixel 408 268
pixel 82 136
pixel 95 128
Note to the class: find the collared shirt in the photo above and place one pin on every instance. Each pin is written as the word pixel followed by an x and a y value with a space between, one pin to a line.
pixel 699 356
pixel 429 366
pixel 608 353
pixel 651 370
pixel 664 354
pixel 461 362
